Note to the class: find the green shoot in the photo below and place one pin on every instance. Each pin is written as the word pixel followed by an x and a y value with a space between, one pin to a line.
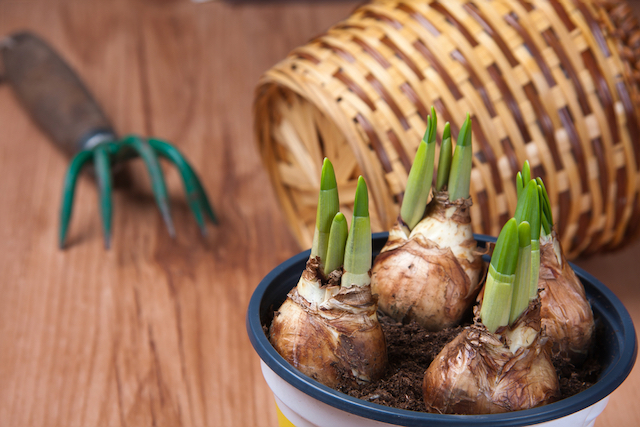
pixel 547 224
pixel 519 184
pixel 328 205
pixel 528 208
pixel 417 191
pixel 547 216
pixel 498 291
pixel 357 256
pixel 535 269
pixel 337 241
pixel 460 175
pixel 520 298
pixel 430 134
pixel 543 219
pixel 526 172
pixel 444 160
pixel 503 260
pixel 419 182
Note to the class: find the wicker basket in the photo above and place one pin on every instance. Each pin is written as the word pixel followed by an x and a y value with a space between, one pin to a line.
pixel 552 81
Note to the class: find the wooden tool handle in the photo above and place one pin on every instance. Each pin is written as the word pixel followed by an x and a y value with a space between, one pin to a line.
pixel 52 92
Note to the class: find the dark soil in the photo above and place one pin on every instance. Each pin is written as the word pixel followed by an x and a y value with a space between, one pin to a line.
pixel 411 350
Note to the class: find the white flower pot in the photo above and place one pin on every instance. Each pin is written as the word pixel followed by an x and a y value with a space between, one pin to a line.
pixel 303 402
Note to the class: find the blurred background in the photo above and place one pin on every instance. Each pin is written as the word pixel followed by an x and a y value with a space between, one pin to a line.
pixel 151 332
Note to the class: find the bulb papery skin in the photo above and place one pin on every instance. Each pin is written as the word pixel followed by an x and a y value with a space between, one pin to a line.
pixel 310 285
pixel 432 275
pixel 484 373
pixel 566 313
pixel 335 341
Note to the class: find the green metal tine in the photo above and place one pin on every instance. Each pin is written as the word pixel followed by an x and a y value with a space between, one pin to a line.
pixel 158 185
pixel 190 188
pixel 196 196
pixel 204 199
pixel 203 194
pixel 103 175
pixel 105 154
pixel 169 152
pixel 69 187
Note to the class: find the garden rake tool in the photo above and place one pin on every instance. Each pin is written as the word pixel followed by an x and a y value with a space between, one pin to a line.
pixel 62 106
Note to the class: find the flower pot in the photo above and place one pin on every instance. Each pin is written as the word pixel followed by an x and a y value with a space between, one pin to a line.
pixel 304 402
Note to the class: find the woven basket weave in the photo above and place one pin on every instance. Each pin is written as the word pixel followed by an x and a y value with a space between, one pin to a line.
pixel 556 82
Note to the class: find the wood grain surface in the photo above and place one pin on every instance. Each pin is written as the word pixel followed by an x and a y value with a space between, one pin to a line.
pixel 151 333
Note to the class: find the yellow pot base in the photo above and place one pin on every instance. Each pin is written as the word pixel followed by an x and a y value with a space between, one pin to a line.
pixel 282 420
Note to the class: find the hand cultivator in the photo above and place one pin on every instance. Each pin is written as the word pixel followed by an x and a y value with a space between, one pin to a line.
pixel 63 107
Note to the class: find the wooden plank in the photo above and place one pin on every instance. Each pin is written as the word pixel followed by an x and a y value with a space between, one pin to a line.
pixel 152 331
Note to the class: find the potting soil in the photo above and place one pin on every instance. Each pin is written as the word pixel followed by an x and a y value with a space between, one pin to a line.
pixel 411 349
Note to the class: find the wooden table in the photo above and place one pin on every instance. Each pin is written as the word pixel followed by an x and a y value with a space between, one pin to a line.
pixel 152 332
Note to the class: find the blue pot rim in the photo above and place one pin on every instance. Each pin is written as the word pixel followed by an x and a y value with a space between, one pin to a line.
pixel 613 375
